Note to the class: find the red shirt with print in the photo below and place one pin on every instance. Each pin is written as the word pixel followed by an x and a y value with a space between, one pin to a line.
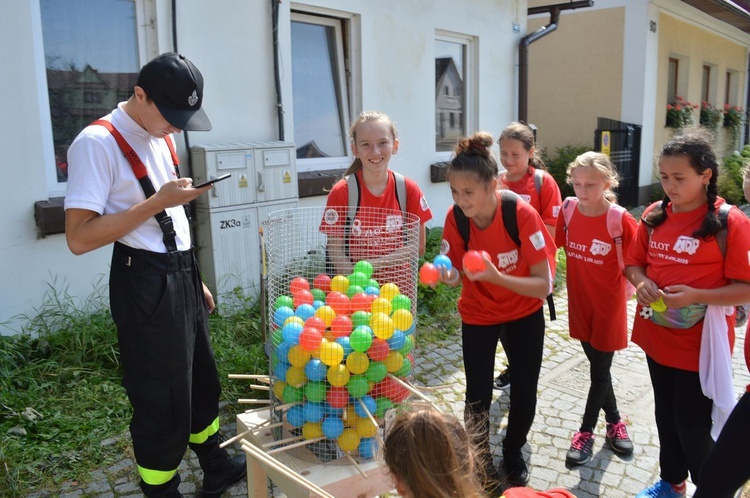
pixel 673 256
pixel 547 202
pixel 597 304
pixel 487 304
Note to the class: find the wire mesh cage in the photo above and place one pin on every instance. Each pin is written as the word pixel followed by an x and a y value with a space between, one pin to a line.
pixel 340 320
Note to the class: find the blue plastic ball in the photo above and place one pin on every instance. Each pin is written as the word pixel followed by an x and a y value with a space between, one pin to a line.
pixel 397 340
pixel 295 416
pixel 317 304
pixel 316 370
pixel 441 260
pixel 333 427
pixel 373 291
pixel 369 403
pixel 313 412
pixel 281 314
pixel 280 370
pixel 344 341
pixel 367 447
pixel 305 311
pixel 291 331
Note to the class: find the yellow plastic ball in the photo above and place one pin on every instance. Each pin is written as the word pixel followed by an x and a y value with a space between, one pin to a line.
pixel 393 362
pixel 295 319
pixel 365 427
pixel 278 389
pixel 357 363
pixel 312 430
pixel 349 440
pixel 350 416
pixel 338 375
pixel 389 291
pixel 331 353
pixel 382 326
pixel 340 283
pixel 298 357
pixel 402 319
pixel 381 305
pixel 326 313
pixel 296 377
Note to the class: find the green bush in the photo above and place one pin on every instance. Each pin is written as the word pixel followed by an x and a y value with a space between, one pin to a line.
pixel 730 177
pixel 557 165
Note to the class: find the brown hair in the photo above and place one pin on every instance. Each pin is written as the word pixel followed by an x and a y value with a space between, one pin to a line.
pixel 366 117
pixel 473 155
pixel 432 455
pixel 601 163
pixel 524 134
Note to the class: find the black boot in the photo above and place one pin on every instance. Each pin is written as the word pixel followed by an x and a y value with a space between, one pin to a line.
pixel 219 470
pixel 166 490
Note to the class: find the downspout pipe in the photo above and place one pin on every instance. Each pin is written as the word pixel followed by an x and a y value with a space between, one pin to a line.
pixel 276 72
pixel 523 48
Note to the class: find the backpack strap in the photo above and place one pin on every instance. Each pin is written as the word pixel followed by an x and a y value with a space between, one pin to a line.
pixel 538 181
pixel 569 206
pixel 462 223
pixel 508 202
pixel 141 173
pixel 614 227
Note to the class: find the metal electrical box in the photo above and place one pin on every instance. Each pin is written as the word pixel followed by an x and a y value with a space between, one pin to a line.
pixel 264 179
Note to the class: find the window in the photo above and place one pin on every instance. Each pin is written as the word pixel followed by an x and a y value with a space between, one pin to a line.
pixel 320 92
pixel 674 69
pixel 453 77
pixel 731 90
pixel 709 84
pixel 706 83
pixel 92 62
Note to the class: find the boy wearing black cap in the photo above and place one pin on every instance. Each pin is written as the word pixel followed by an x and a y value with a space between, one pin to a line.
pixel 124 188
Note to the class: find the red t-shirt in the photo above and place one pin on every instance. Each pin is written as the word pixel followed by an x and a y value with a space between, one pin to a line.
pixel 530 493
pixel 597 306
pixel 487 304
pixel 547 202
pixel 673 256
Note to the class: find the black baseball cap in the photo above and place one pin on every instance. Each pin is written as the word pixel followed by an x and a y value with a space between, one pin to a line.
pixel 176 87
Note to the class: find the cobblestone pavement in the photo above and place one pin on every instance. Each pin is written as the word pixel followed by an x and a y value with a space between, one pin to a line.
pixel 563 387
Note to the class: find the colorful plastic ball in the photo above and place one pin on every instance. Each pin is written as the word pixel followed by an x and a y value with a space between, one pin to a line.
pixel 295 377
pixel 312 430
pixel 396 341
pixel 405 368
pixel 412 329
pixel 295 417
pixel 372 291
pixel 333 411
pixel 339 302
pixel 393 362
pixel 361 339
pixel 316 370
pixel 379 349
pixel 331 353
pixel 344 341
pixel 282 351
pixel 278 389
pixel 373 283
pixel 376 371
pixel 276 337
pixel 365 428
pixel 318 295
pixel 473 261
pixel 338 375
pixel 408 345
pixel 315 322
pixel 350 416
pixel 360 318
pixel 281 314
pixel 317 304
pixel 357 386
pixel 313 412
pixel 401 302
pixel 357 363
pixel 305 311
pixel 428 274
pixel 333 427
pixel 382 404
pixel 395 391
pixel 402 319
pixel 280 370
pixel 367 447
pixel 337 397
pixel 298 284
pixel 369 406
pixel 339 283
pixel 389 291
pixel 359 302
pixel 359 279
pixel 294 319
pixel 353 290
pixel 364 267
pixel 316 391
pixel 381 305
pixel 301 297
pixel 327 314
pixel 310 338
pixel 322 282
pixel 341 326
pixel 442 261
pixel 291 332
pixel 297 356
pixel 293 394
pixel 382 325
pixel 283 301
pixel 348 440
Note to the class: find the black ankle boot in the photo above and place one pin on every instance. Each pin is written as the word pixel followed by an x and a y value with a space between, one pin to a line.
pixel 219 470
pixel 166 490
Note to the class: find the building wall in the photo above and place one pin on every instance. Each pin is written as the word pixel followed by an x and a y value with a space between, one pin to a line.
pixel 231 42
pixel 575 75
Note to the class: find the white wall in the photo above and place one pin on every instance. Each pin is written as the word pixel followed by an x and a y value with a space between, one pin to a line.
pixel 231 42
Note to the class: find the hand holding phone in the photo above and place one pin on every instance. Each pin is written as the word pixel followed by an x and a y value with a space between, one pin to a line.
pixel 213 180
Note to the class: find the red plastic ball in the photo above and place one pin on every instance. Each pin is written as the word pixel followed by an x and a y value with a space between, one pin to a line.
pixel 316 322
pixel 322 282
pixel 310 338
pixel 339 302
pixel 428 274
pixel 378 350
pixel 361 302
pixel 337 397
pixel 473 262
pixel 299 284
pixel 341 326
pixel 302 297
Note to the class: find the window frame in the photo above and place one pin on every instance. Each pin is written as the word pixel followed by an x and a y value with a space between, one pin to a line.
pixel 343 26
pixel 470 87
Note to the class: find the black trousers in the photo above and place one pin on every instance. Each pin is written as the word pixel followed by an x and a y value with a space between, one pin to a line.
pixel 601 393
pixel 170 373
pixel 683 419
pixel 727 467
pixel 523 341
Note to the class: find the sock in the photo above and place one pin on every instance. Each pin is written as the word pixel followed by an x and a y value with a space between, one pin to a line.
pixel 680 488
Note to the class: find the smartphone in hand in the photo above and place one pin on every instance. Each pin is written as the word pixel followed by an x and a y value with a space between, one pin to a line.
pixel 213 180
